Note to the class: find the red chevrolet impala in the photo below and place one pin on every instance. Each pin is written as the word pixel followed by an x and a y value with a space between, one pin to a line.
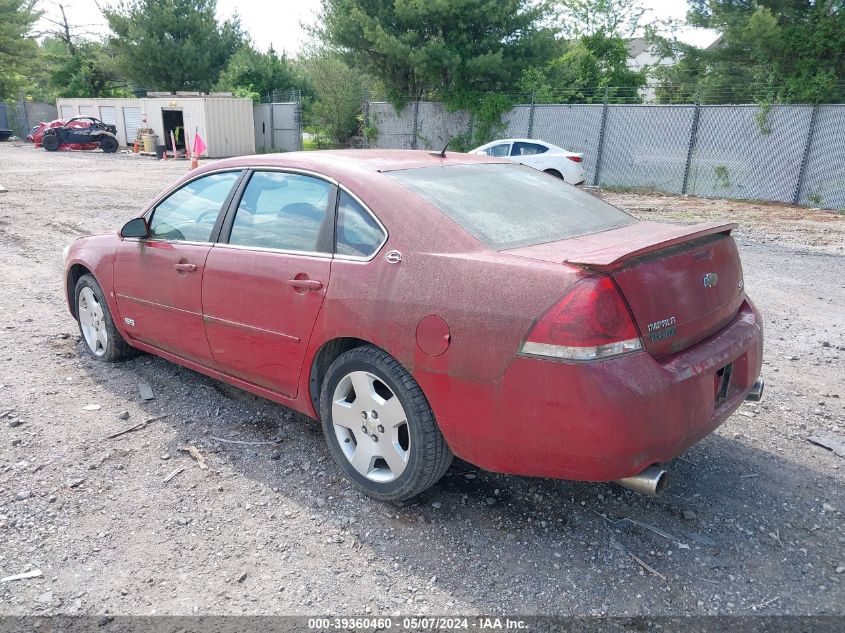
pixel 425 305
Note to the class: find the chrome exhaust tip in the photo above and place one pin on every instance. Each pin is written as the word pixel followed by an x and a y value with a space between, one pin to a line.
pixel 653 481
pixel 756 393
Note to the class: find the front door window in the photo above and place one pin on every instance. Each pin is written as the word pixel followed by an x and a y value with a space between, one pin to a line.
pixel 190 212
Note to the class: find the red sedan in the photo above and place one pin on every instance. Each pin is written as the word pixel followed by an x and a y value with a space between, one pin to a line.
pixel 424 305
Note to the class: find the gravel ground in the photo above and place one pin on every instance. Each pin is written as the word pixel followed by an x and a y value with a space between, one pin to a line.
pixel 753 523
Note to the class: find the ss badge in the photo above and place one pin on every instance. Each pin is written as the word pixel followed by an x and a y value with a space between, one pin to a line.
pixel 129 321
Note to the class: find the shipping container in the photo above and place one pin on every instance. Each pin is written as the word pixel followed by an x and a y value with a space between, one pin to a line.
pixel 224 122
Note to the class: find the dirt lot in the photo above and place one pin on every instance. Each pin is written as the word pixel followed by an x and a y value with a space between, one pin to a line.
pixel 752 524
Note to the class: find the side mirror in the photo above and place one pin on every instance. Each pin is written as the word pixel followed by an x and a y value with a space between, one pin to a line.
pixel 136 227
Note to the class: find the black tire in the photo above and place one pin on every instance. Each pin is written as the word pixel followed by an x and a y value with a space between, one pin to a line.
pixel 554 172
pixel 429 456
pixel 50 142
pixel 116 348
pixel 108 144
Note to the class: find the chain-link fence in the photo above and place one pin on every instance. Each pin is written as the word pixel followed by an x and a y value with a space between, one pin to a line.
pixel 783 153
pixel 21 115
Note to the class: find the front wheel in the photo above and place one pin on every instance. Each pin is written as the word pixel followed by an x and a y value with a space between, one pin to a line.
pixel 379 426
pixel 101 337
pixel 50 142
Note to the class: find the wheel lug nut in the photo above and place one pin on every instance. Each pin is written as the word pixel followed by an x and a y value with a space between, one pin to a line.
pixel 364 415
pixel 374 415
pixel 380 428
pixel 374 437
pixel 363 428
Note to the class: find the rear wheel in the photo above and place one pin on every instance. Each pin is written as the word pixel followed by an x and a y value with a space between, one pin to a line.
pixel 379 426
pixel 108 144
pixel 50 142
pixel 101 337
pixel 553 172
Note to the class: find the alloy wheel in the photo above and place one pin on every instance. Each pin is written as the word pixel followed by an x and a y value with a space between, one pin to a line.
pixel 371 426
pixel 92 321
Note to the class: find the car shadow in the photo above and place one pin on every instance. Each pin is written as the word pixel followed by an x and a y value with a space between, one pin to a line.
pixel 740 522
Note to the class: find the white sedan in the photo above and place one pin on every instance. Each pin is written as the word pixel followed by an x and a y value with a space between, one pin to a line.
pixel 539 155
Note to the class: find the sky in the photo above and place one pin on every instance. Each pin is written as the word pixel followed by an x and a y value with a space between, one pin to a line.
pixel 280 22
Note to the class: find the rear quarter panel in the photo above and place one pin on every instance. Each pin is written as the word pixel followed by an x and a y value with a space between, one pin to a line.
pixel 488 300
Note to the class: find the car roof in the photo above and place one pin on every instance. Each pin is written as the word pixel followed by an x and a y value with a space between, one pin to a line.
pixel 519 140
pixel 354 163
pixel 535 141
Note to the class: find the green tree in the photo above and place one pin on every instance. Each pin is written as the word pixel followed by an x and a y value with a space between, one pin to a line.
pixel 613 18
pixel 593 63
pixel 769 51
pixel 439 48
pixel 255 74
pixel 17 48
pixel 87 69
pixel 595 68
pixel 339 97
pixel 172 44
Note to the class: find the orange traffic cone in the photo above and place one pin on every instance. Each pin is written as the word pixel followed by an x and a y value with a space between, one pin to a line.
pixel 135 147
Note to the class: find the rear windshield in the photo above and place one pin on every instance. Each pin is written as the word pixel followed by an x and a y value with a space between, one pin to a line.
pixel 507 206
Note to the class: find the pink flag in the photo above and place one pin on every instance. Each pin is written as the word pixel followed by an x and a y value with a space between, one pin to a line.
pixel 199 145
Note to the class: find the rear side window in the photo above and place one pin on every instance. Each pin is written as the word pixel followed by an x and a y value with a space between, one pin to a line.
pixel 358 234
pixel 528 149
pixel 189 213
pixel 284 211
pixel 498 150
pixel 509 205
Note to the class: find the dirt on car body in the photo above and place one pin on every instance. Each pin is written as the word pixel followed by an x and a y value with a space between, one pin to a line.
pixel 753 523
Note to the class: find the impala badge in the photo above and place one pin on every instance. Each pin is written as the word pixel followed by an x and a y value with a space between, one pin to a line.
pixel 663 329
pixel 393 257
pixel 710 280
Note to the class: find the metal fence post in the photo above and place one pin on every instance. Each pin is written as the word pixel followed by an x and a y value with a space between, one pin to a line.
pixel 470 128
pixel 365 113
pixel 298 122
pixel 601 140
pixel 272 128
pixel 23 120
pixel 802 172
pixel 416 121
pixel 693 139
pixel 531 120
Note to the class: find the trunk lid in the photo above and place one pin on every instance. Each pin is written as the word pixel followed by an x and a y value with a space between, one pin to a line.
pixel 682 283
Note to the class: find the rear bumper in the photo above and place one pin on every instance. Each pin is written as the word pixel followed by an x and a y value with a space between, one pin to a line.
pixel 601 421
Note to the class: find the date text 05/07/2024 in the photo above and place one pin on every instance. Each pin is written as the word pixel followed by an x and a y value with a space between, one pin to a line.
pixel 480 623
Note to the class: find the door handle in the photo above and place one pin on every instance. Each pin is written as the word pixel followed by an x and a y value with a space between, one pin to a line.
pixel 306 284
pixel 186 268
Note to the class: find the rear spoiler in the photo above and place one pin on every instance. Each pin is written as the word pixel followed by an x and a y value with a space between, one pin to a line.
pixel 647 237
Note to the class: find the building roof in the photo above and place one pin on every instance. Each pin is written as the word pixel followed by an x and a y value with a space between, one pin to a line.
pixel 637 46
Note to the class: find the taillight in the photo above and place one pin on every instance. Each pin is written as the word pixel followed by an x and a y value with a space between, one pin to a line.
pixel 591 322
pixel 575 158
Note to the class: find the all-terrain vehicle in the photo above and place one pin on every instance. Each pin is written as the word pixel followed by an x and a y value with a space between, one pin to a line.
pixel 82 131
